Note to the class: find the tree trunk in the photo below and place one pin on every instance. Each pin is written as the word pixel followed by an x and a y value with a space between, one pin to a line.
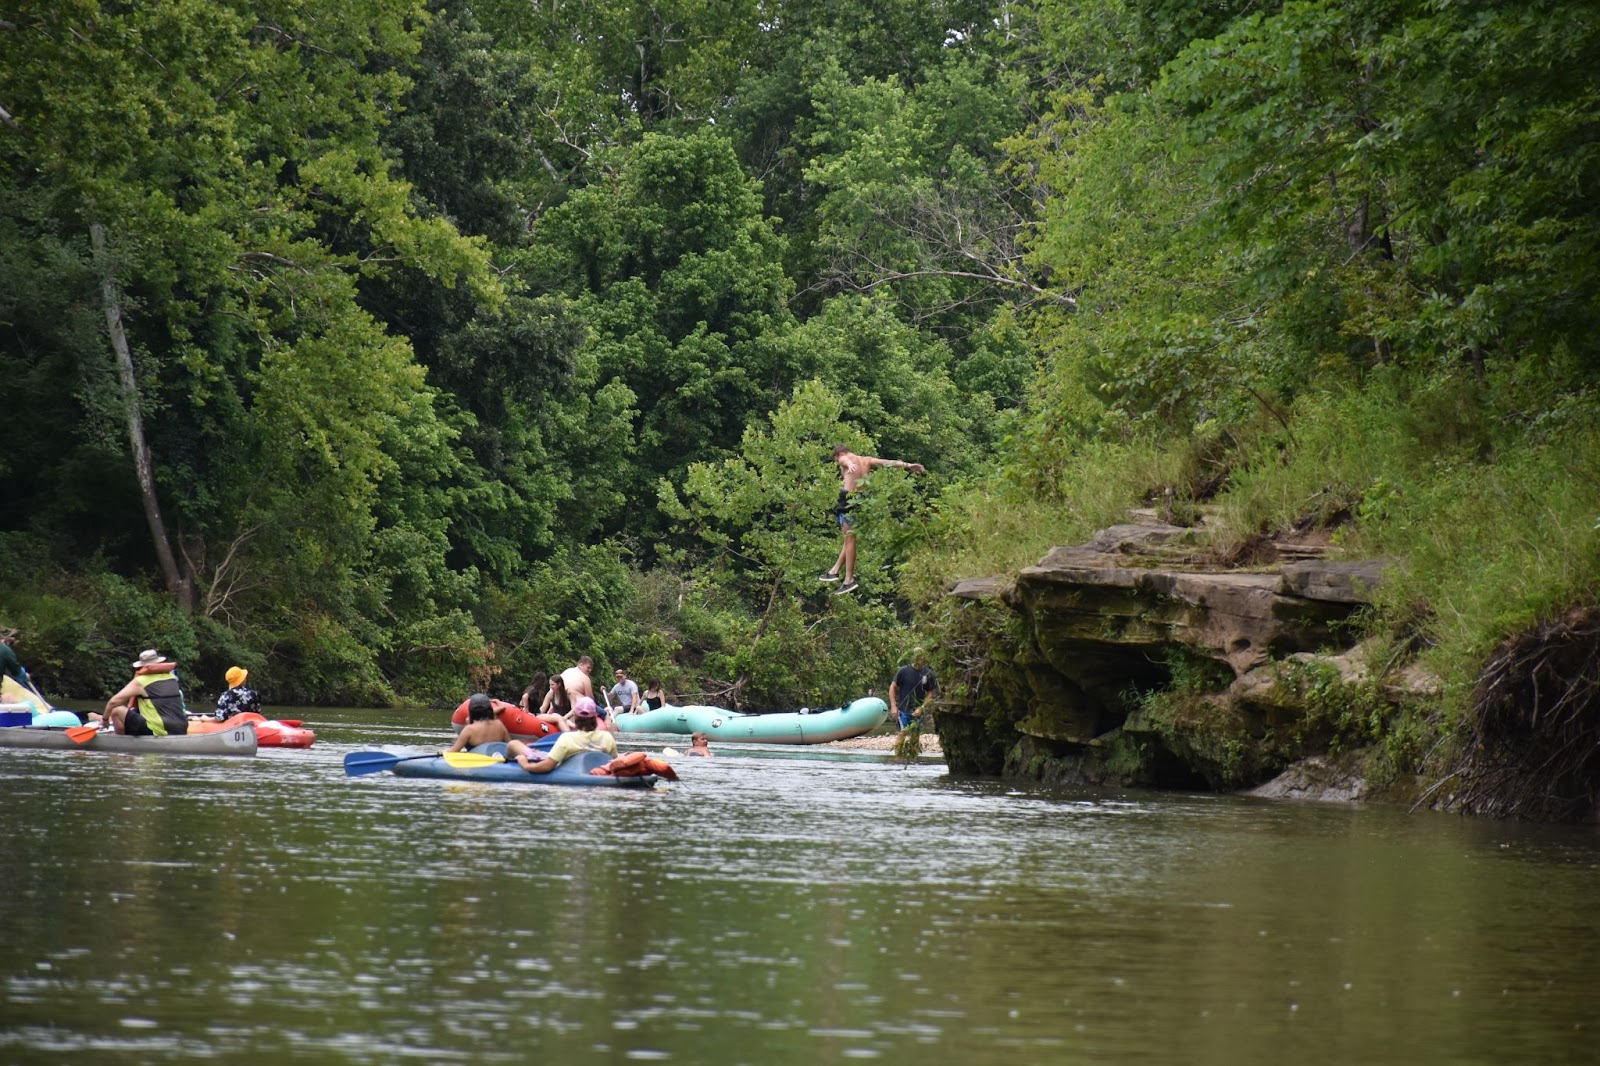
pixel 136 441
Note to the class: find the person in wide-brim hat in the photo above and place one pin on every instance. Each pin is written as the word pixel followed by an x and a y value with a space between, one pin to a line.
pixel 238 699
pixel 152 704
pixel 150 659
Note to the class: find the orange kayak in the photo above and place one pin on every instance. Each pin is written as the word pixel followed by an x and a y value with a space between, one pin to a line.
pixel 270 733
pixel 518 722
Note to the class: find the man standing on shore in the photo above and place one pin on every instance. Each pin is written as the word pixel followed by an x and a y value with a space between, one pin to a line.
pixel 854 470
pixel 913 684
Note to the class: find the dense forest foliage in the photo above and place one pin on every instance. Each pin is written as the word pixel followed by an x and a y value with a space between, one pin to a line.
pixel 409 347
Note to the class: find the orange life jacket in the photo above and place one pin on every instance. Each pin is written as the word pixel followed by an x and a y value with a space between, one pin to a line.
pixel 635 764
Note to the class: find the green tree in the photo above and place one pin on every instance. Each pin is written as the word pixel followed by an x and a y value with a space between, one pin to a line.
pixel 765 517
pixel 679 278
pixel 229 173
pixel 912 197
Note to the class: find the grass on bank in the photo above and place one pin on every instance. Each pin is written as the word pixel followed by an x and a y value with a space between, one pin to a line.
pixel 996 528
pixel 1491 517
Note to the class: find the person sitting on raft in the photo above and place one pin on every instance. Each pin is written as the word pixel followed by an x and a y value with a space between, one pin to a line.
pixel 625 692
pixel 540 695
pixel 557 701
pixel 238 699
pixel 699 744
pixel 654 698
pixel 483 724
pixel 586 737
pixel 152 704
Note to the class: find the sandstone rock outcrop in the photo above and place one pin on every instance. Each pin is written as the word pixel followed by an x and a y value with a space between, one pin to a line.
pixel 1082 640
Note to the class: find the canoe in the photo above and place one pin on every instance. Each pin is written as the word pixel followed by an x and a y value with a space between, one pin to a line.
pixel 518 722
pixel 792 727
pixel 270 732
pixel 575 771
pixel 239 740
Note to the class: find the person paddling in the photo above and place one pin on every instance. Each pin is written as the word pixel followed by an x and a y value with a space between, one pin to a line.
pixel 152 704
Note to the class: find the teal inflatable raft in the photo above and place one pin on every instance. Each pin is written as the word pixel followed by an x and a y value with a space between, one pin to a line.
pixel 575 771
pixel 792 727
pixel 22 714
pixel 24 706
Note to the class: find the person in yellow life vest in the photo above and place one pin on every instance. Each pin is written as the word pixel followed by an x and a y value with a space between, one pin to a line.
pixel 585 737
pixel 152 704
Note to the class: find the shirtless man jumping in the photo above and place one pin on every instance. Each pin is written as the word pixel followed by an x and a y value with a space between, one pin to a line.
pixel 854 469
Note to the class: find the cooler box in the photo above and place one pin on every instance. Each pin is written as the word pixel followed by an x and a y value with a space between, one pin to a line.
pixel 15 714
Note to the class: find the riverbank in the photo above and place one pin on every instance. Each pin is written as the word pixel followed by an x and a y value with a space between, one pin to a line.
pixel 928 742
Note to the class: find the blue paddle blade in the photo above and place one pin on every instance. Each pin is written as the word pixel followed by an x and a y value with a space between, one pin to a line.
pixel 357 763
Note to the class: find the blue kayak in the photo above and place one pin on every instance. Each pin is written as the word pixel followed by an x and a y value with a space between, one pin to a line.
pixel 575 771
pixel 791 727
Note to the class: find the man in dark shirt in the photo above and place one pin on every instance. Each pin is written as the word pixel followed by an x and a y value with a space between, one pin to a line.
pixel 913 684
pixel 10 665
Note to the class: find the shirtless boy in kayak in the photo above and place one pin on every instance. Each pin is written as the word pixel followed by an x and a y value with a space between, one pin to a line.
pixel 483 725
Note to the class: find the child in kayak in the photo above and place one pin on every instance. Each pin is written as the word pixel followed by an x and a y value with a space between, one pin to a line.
pixel 700 744
pixel 483 725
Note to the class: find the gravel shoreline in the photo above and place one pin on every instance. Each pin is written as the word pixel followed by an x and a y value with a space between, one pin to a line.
pixel 886 742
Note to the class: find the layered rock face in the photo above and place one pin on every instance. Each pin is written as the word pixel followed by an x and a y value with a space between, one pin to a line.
pixel 1086 636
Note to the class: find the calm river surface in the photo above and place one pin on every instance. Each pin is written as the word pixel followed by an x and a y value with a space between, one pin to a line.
pixel 796 909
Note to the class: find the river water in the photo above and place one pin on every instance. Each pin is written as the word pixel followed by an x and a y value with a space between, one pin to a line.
pixel 771 907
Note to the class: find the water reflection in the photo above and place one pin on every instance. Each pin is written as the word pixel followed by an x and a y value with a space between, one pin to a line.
pixel 764 910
